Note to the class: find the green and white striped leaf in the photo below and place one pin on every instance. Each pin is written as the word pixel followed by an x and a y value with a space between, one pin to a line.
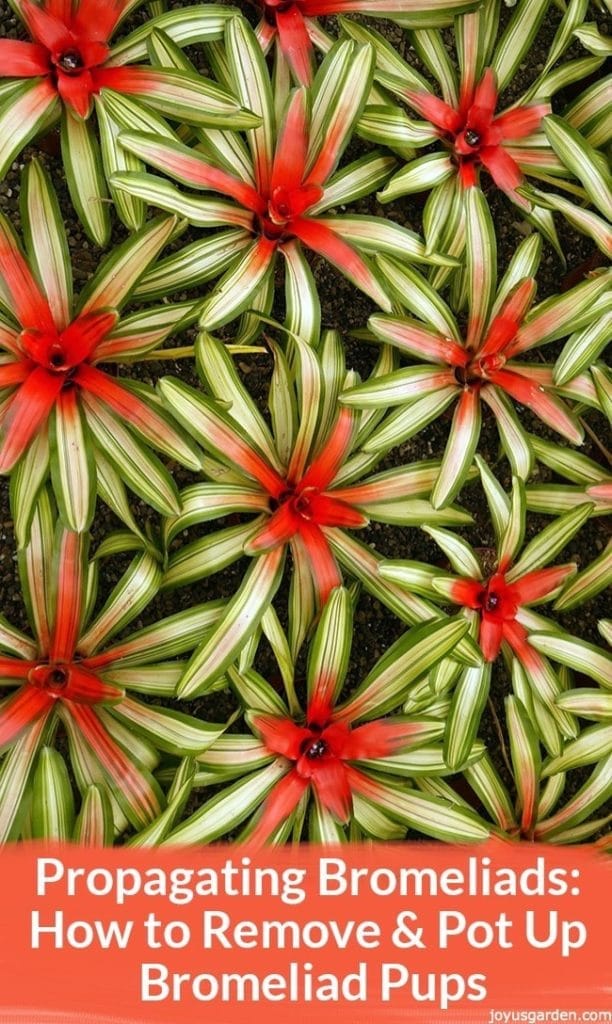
pixel 228 809
pixel 94 824
pixel 549 542
pixel 577 654
pixel 526 761
pixel 431 815
pixel 515 42
pixel 241 617
pixel 254 91
pixel 582 160
pixel 588 583
pixel 72 463
pixel 15 773
pixel 330 650
pixel 459 553
pixel 585 346
pixel 593 744
pixel 46 242
pixel 469 700
pixel 129 597
pixel 116 159
pixel 513 437
pixel 592 704
pixel 420 175
pixel 169 730
pixel 28 107
pixel 413 655
pixel 595 791
pixel 491 791
pixel 514 533
pixel 85 177
pixel 52 810
pixel 199 23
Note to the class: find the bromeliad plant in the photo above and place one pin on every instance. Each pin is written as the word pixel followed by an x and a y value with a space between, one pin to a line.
pixel 68 66
pixel 481 365
pixel 473 134
pixel 73 675
pixel 281 188
pixel 297 33
pixel 58 410
pixel 334 765
pixel 304 484
pixel 496 600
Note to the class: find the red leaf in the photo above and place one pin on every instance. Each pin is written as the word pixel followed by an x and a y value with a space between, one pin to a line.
pixel 327 243
pixel 76 91
pixel 328 511
pixel 69 597
pixel 27 412
pixel 325 572
pixel 547 407
pixel 28 303
pixel 466 592
pixel 332 454
pixel 279 529
pixel 505 325
pixel 492 631
pixel 295 43
pixel 281 735
pixel 23 60
pixel 434 110
pixel 20 710
pixel 506 174
pixel 283 799
pixel 379 739
pixel 539 584
pixel 331 784
pixel 46 28
pixel 522 121
pixel 14 668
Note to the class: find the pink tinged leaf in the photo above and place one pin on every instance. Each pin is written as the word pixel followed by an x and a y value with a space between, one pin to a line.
pixel 127 405
pixel 118 766
pixel 281 802
pixel 46 28
pixel 506 324
pixel 279 529
pixel 191 168
pixel 330 781
pixel 325 572
pixel 465 592
pixel 28 303
pixel 265 33
pixel 15 668
pixel 292 145
pixel 379 739
pixel 23 60
pixel 539 584
pixel 69 596
pixel 281 735
pixel 547 407
pixel 295 43
pixel 418 341
pixel 330 458
pixel 20 710
pixel 327 243
pixel 83 335
pixel 601 492
pixel 13 373
pixel 434 110
pixel 326 510
pixel 490 636
pixel 505 172
pixel 28 411
pixel 522 121
pixel 76 91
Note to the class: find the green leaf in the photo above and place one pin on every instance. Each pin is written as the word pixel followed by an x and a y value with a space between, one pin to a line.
pixel 46 242
pixel 52 799
pixel 469 700
pixel 168 729
pixel 129 597
pixel 85 177
pixel 577 654
pixel 94 825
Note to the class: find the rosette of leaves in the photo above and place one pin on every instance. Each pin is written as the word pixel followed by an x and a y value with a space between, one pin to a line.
pixel 73 676
pixel 304 485
pixel 68 67
pixel 473 135
pixel 542 811
pixel 497 601
pixel 337 768
pixel 293 24
pixel 59 411
pixel 483 364
pixel 277 193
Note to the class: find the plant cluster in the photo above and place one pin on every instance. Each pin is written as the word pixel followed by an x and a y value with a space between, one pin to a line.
pixel 219 196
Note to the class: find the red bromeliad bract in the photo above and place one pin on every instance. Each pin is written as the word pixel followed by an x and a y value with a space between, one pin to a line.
pixel 476 135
